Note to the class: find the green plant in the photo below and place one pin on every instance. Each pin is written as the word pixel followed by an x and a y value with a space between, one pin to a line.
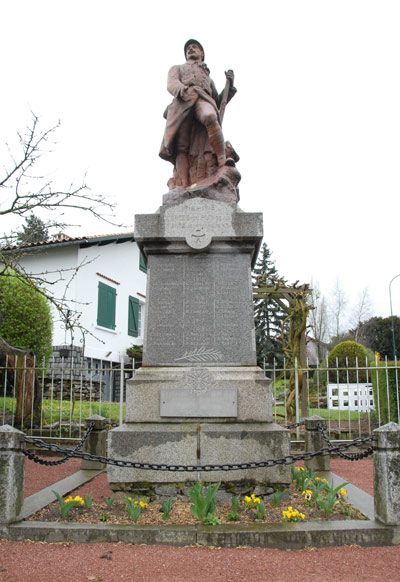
pixel 27 321
pixel 135 352
pixel 88 501
pixel 276 498
pixel 260 512
pixel 67 504
pixel 234 513
pixel 385 382
pixel 134 508
pixel 344 360
pixel 109 501
pixel 104 517
pixel 317 485
pixel 203 507
pixel 166 508
pixel 327 503
pixel 302 477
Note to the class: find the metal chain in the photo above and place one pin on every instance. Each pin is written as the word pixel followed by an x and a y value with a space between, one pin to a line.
pixel 347 456
pixel 69 453
pixel 287 460
pixel 295 424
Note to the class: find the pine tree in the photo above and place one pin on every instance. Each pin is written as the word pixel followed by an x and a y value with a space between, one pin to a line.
pixel 268 315
pixel 33 231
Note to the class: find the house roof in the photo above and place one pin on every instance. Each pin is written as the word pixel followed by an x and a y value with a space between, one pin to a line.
pixel 62 239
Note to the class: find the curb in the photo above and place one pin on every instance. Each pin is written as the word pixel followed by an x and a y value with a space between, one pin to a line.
pixel 294 536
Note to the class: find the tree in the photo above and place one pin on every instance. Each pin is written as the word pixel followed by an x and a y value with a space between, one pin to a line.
pixel 337 307
pixel 33 231
pixel 361 312
pixel 318 319
pixel 23 191
pixel 376 334
pixel 268 314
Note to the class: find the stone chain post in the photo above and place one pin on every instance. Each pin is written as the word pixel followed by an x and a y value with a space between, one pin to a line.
pixel 96 443
pixel 12 473
pixel 387 474
pixel 314 442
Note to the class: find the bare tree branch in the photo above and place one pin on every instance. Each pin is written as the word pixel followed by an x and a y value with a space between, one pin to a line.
pixel 23 192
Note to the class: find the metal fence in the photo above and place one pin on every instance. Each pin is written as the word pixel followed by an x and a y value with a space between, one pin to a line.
pixel 354 397
pixel 55 402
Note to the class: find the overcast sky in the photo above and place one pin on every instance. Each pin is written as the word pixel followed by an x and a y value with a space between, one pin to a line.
pixel 316 120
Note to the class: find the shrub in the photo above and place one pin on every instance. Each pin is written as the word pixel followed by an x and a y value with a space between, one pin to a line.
pixel 346 356
pixel 27 322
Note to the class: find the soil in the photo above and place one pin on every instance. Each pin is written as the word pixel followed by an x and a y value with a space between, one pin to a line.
pixel 42 562
pixel 181 513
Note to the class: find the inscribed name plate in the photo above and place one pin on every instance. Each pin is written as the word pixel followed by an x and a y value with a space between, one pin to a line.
pixel 200 310
pixel 214 403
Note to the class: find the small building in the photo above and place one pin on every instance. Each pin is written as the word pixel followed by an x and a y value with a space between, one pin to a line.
pixel 103 279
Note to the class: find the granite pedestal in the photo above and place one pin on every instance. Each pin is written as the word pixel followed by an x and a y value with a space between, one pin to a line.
pixel 199 397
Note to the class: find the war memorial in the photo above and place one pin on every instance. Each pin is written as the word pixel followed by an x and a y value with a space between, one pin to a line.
pixel 199 408
pixel 199 397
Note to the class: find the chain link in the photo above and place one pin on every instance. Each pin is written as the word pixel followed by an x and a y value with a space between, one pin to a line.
pixel 295 424
pixel 287 460
pixel 69 453
pixel 348 456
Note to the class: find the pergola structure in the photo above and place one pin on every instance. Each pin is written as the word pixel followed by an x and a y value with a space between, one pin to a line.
pixel 295 301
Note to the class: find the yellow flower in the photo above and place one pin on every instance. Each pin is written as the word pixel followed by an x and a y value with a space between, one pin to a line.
pixel 290 508
pixel 248 499
pixel 129 498
pixel 342 492
pixel 143 504
pixel 318 478
pixel 253 496
pixel 324 481
pixel 302 516
pixel 308 496
pixel 257 500
pixel 297 469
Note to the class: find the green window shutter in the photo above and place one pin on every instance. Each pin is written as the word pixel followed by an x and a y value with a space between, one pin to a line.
pixel 142 263
pixel 133 316
pixel 106 306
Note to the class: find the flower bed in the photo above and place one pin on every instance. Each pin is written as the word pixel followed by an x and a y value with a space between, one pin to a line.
pixel 307 498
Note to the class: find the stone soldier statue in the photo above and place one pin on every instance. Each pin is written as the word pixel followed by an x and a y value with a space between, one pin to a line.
pixel 193 140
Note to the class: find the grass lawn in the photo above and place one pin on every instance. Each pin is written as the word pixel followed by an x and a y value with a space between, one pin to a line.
pixel 325 413
pixel 77 412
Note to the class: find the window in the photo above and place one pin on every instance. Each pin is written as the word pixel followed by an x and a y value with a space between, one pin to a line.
pixel 106 306
pixel 133 317
pixel 142 263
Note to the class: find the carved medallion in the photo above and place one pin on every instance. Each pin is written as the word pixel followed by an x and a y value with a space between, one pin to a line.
pixel 198 238
pixel 198 380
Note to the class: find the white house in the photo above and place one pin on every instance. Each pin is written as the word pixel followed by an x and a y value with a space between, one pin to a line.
pixel 102 277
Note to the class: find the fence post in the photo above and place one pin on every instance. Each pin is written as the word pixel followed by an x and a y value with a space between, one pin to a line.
pixel 12 473
pixel 386 474
pixel 314 442
pixel 96 443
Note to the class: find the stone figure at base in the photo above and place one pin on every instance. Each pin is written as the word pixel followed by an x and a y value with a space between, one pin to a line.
pixel 193 140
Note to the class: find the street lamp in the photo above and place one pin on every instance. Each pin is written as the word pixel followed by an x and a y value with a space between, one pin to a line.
pixel 391 315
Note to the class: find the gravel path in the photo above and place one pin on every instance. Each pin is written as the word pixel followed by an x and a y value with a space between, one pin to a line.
pixel 39 562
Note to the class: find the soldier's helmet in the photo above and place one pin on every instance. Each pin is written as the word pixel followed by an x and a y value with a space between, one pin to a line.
pixel 193 41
